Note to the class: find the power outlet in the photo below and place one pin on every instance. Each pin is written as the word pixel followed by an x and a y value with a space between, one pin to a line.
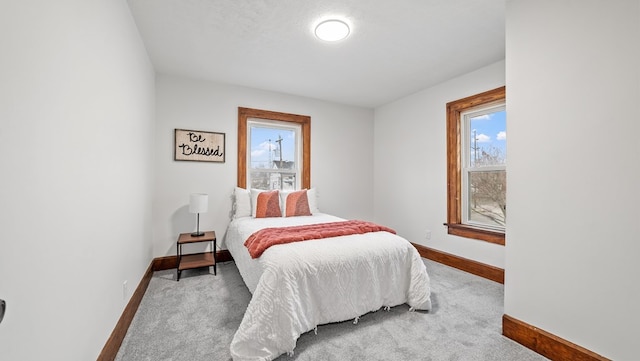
pixel 427 234
pixel 125 290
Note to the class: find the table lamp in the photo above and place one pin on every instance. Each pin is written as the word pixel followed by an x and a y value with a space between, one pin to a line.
pixel 198 203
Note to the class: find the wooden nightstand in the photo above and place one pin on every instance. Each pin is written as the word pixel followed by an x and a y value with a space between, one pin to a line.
pixel 196 260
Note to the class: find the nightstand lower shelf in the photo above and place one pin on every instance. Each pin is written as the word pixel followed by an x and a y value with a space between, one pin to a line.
pixel 196 260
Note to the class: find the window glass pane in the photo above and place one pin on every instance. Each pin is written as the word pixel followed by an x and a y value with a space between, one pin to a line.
pixel 273 147
pixel 488 139
pixel 487 198
pixel 273 156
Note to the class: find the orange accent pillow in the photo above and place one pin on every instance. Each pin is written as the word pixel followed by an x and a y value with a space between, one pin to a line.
pixel 268 205
pixel 297 204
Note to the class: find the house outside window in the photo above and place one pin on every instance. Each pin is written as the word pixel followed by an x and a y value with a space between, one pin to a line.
pixel 476 166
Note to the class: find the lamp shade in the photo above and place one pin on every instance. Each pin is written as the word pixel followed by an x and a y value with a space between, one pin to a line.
pixel 198 202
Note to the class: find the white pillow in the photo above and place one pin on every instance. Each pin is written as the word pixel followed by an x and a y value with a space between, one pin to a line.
pixel 241 203
pixel 283 201
pixel 312 195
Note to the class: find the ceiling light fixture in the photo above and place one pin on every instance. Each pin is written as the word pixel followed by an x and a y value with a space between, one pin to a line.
pixel 332 30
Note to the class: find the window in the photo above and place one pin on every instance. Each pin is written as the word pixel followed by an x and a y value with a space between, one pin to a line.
pixel 273 150
pixel 273 160
pixel 476 169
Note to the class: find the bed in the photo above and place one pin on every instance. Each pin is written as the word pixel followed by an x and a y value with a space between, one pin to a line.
pixel 297 286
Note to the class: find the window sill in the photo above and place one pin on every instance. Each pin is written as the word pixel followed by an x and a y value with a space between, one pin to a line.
pixel 466 231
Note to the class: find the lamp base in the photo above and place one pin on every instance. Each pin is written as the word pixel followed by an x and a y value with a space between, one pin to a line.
pixel 197 234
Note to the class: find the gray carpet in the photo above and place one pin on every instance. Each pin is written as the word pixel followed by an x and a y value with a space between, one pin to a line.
pixel 196 318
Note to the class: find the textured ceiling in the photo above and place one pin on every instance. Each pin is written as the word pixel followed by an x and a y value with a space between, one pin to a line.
pixel 395 48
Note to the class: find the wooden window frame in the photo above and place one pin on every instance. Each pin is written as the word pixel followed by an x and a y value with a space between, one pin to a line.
pixel 244 114
pixel 454 166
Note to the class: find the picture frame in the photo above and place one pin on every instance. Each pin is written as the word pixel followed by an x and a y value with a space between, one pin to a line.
pixel 199 146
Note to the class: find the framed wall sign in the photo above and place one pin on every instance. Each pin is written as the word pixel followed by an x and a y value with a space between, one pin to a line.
pixel 199 146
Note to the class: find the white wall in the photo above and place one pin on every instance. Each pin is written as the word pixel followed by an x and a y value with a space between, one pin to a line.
pixel 573 89
pixel 410 172
pixel 341 154
pixel 76 135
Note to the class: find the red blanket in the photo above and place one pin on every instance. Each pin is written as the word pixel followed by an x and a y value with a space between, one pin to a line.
pixel 258 242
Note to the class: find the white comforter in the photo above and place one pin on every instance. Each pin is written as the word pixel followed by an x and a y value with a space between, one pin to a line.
pixel 300 285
